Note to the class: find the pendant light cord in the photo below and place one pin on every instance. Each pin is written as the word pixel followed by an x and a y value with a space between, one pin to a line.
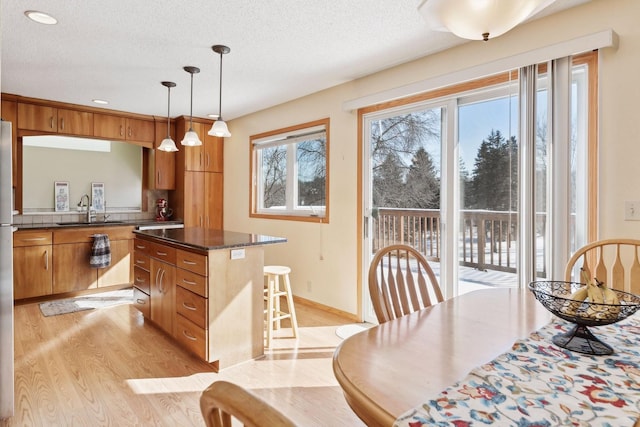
pixel 168 112
pixel 191 112
pixel 220 97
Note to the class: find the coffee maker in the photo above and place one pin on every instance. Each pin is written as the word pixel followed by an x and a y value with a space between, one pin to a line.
pixel 163 212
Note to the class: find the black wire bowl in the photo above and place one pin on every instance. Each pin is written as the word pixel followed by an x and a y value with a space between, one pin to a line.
pixel 555 297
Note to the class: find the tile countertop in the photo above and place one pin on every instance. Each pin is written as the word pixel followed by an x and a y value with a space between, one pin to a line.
pixel 135 223
pixel 206 239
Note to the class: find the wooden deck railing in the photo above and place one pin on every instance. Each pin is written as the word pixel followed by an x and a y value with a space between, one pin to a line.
pixel 487 238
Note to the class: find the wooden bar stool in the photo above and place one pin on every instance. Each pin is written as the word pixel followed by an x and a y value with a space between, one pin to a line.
pixel 272 294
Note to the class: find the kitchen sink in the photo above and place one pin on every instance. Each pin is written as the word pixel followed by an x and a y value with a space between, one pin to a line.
pixel 85 223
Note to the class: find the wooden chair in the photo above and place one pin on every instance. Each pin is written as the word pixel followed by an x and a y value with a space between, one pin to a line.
pixel 613 261
pixel 223 401
pixel 401 282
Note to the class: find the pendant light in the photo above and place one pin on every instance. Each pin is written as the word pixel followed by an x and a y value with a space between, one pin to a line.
pixel 219 127
pixel 168 144
pixel 191 138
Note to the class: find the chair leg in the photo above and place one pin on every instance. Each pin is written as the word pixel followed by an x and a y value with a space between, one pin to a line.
pixel 276 297
pixel 270 283
pixel 292 310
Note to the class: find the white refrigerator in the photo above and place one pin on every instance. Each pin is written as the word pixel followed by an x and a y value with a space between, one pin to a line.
pixel 6 273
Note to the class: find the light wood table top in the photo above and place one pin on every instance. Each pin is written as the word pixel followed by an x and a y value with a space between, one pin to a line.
pixel 394 367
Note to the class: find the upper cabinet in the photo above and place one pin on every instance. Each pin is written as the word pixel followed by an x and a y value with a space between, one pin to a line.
pixel 9 110
pixel 207 157
pixel 141 132
pixel 50 119
pixel 162 164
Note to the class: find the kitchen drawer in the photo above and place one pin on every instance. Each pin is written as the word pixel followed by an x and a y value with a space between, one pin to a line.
pixel 142 302
pixel 191 306
pixel 141 260
pixel 164 253
pixel 141 279
pixel 192 281
pixel 141 246
pixel 85 234
pixel 192 337
pixel 192 262
pixel 32 238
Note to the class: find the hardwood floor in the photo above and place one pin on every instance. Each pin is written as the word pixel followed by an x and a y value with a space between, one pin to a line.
pixel 108 367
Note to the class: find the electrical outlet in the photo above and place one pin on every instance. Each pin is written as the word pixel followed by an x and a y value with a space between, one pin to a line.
pixel 632 211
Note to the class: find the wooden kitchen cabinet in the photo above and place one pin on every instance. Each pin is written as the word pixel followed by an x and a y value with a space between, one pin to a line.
pixel 32 264
pixel 72 251
pixel 163 295
pixel 162 164
pixel 141 132
pixel 50 119
pixel 198 197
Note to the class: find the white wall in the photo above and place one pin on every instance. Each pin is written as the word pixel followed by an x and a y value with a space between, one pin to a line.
pixel 334 279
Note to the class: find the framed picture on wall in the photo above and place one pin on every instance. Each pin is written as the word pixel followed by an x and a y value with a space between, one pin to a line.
pixel 97 196
pixel 61 195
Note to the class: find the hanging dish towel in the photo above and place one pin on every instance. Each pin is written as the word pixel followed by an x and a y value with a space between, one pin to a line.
pixel 100 252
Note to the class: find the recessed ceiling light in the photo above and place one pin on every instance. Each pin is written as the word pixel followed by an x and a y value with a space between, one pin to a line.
pixel 100 101
pixel 41 17
pixel 213 116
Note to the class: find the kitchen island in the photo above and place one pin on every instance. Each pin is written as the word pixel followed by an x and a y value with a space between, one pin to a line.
pixel 204 288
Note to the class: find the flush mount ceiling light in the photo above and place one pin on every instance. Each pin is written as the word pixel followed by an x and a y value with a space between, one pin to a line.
pixel 100 101
pixel 41 17
pixel 478 19
pixel 219 127
pixel 168 144
pixel 191 138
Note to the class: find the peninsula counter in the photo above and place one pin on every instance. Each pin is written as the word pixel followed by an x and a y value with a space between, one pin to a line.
pixel 204 288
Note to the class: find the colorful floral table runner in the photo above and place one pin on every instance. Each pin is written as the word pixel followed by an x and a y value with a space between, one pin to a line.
pixel 539 384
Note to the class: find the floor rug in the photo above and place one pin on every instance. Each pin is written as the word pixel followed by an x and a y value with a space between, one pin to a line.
pixel 345 331
pixel 87 302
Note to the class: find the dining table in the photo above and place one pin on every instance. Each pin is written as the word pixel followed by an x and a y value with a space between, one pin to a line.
pixel 392 367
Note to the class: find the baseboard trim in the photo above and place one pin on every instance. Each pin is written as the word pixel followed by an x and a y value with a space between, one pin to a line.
pixel 314 304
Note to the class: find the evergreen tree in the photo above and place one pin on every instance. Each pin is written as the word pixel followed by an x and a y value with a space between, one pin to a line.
pixel 388 183
pixel 494 180
pixel 422 186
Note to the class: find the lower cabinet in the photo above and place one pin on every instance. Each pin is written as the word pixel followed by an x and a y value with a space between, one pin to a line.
pixel 72 249
pixel 56 261
pixel 163 295
pixel 32 264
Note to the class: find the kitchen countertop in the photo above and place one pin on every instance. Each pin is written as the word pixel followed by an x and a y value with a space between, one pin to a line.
pixel 62 224
pixel 207 239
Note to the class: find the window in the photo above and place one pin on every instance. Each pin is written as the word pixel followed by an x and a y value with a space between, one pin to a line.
pixel 289 173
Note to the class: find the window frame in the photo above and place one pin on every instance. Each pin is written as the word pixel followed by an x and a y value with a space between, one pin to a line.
pixel 292 213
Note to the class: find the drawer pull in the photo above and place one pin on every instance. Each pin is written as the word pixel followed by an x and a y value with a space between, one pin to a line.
pixel 161 253
pixel 139 261
pixel 188 282
pixel 189 336
pixel 139 280
pixel 141 247
pixel 141 301
pixel 189 262
pixel 189 307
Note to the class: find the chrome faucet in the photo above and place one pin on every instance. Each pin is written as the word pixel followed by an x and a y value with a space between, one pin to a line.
pixel 91 214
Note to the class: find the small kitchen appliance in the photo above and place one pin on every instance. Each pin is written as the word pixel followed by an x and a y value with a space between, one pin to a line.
pixel 163 211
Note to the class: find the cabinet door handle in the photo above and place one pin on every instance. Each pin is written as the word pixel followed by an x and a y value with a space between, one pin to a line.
pixel 158 284
pixel 62 123
pixel 46 259
pixel 121 130
pixel 200 159
pixel 207 160
pixel 51 122
pixel 141 301
pixel 189 336
pixel 158 181
pixel 189 307
pixel 188 282
pixel 129 133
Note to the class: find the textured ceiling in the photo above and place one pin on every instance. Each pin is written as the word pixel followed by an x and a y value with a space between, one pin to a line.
pixel 120 50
